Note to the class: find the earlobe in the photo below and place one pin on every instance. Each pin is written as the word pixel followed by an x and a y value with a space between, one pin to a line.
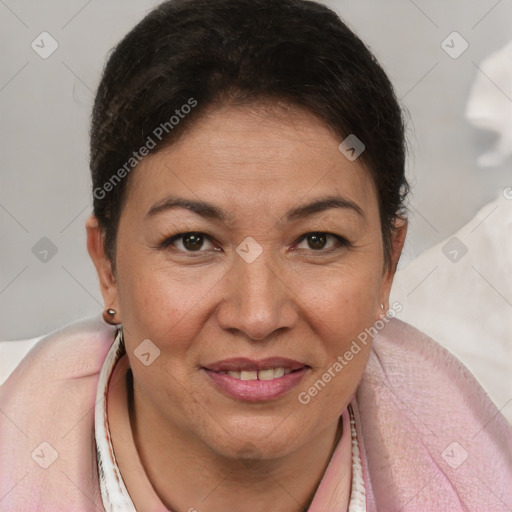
pixel 103 265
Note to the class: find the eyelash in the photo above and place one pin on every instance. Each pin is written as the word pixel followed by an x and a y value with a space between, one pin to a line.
pixel 168 242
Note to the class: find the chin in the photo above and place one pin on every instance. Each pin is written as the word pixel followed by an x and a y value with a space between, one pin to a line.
pixel 267 437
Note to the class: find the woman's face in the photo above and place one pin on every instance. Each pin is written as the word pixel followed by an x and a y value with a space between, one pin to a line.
pixel 248 289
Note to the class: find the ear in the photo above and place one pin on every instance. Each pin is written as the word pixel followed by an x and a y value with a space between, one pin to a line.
pixel 96 249
pixel 398 240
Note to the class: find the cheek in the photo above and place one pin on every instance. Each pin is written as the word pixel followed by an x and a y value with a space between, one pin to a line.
pixel 164 301
pixel 340 312
pixel 344 299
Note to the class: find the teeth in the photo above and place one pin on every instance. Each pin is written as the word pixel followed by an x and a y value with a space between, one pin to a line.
pixel 269 374
pixel 278 372
pixel 248 375
pixel 266 374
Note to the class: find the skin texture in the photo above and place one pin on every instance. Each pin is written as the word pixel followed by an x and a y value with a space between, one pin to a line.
pixel 199 447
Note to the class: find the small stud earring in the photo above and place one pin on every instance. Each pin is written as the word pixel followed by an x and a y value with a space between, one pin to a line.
pixel 108 316
pixel 382 314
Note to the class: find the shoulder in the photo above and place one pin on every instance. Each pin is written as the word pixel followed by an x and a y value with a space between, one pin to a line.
pixel 75 350
pixel 423 415
pixel 47 420
pixel 404 356
pixel 422 373
pixel 398 338
pixel 63 365
pixel 11 354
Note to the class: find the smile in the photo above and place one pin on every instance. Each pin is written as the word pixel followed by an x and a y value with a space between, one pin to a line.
pixel 255 381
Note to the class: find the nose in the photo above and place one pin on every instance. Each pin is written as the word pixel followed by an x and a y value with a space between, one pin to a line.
pixel 257 300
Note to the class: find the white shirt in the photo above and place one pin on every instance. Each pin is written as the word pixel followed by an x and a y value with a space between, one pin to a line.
pixel 113 490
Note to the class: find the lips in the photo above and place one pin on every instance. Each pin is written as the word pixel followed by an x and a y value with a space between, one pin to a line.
pixel 252 380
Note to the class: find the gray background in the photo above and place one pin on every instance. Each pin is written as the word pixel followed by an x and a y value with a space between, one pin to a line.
pixel 45 106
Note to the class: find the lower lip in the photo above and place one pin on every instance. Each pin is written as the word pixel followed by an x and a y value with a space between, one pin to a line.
pixel 256 390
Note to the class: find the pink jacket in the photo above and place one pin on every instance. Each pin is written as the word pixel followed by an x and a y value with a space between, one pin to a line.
pixel 430 438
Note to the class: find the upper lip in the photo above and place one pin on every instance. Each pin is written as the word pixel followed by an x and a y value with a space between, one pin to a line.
pixel 243 363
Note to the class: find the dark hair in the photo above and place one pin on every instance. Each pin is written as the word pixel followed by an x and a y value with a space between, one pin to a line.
pixel 187 56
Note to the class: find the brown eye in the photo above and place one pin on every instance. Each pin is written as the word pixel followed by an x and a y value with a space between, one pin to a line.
pixel 188 242
pixel 317 241
pixel 193 241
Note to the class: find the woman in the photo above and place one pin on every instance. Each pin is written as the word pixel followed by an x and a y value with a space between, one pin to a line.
pixel 247 161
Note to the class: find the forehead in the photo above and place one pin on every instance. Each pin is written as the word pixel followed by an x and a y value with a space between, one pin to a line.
pixel 243 156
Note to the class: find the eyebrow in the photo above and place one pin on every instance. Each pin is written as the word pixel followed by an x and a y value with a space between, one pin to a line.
pixel 210 211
